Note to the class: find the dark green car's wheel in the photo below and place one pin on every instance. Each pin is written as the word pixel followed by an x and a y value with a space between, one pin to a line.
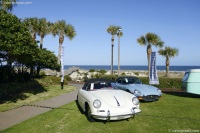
pixel 88 114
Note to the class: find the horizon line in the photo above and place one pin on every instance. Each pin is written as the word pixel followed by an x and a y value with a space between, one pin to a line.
pixel 130 65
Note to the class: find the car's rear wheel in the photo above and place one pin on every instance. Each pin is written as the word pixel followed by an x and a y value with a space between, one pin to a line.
pixel 88 114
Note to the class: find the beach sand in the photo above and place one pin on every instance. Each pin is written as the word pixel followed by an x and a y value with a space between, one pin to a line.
pixel 79 74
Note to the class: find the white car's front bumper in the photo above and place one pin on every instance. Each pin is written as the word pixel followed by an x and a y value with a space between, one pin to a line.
pixel 108 115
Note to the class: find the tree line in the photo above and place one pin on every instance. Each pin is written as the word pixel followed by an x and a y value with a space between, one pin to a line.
pixel 20 54
pixel 19 51
pixel 148 40
pixel 19 44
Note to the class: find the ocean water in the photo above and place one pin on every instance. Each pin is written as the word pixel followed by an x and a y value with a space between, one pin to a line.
pixel 124 67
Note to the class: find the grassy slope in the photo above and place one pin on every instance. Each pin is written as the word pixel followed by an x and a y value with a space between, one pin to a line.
pixel 170 113
pixel 28 98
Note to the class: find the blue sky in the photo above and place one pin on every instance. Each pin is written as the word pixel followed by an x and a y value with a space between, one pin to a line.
pixel 177 22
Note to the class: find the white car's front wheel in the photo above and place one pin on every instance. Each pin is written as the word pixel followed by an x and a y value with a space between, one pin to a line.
pixel 88 114
pixel 133 116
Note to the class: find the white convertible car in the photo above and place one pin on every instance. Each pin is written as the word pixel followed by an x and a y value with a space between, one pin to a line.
pixel 99 100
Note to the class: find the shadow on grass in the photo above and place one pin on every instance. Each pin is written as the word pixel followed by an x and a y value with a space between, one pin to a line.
pixel 182 94
pixel 12 92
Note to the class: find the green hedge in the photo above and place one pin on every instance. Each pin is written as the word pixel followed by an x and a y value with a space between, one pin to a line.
pixel 165 83
pixel 50 80
pixel 110 77
pixel 92 70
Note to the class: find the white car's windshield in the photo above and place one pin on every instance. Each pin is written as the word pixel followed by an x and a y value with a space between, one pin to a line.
pixel 98 84
pixel 101 85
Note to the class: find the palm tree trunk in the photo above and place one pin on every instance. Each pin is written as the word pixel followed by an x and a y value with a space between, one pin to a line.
pixel 31 71
pixel 38 70
pixel 118 55
pixel 61 39
pixel 33 35
pixel 167 66
pixel 112 40
pixel 41 45
pixel 149 50
pixel 59 52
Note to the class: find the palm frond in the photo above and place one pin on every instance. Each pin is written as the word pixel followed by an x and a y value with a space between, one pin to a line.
pixel 113 30
pixel 142 41
pixel 43 27
pixel 168 51
pixel 70 31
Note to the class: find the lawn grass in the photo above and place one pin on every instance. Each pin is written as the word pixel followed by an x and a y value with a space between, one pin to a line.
pixel 172 113
pixel 28 98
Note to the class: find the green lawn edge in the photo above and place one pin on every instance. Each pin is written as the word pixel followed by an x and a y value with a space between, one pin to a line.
pixel 29 97
pixel 172 113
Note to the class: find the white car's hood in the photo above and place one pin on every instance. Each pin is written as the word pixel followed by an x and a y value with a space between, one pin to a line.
pixel 113 98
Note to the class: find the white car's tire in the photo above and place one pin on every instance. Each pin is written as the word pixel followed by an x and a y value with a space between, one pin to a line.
pixel 88 114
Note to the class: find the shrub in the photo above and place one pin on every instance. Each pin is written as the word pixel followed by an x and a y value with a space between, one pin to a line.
pixel 123 74
pixel 169 83
pixel 102 71
pixel 8 74
pixel 50 80
pixel 136 73
pixel 42 73
pixel 91 70
pixel 68 78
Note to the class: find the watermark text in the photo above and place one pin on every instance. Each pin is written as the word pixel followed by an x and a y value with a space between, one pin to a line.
pixel 183 131
pixel 16 3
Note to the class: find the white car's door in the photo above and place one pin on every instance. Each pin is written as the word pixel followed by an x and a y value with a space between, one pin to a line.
pixel 81 98
pixel 83 95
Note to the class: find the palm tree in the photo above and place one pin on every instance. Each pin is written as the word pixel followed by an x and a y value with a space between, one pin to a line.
pixel 62 29
pixel 44 28
pixel 119 34
pixel 113 30
pixel 32 25
pixel 168 52
pixel 148 40
pixel 7 4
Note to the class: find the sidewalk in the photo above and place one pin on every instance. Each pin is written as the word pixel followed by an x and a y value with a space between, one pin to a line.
pixel 15 116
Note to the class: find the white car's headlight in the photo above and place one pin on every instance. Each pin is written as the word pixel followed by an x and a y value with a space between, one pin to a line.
pixel 97 103
pixel 135 101
pixel 137 93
